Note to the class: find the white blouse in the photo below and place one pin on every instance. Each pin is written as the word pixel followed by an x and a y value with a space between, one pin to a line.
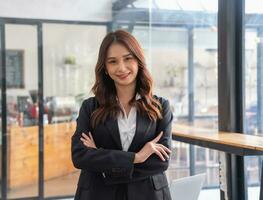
pixel 127 126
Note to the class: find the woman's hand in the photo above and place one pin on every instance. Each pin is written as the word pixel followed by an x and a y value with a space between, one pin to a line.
pixel 150 148
pixel 88 140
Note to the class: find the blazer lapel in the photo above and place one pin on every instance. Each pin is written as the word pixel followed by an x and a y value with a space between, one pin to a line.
pixel 112 126
pixel 142 127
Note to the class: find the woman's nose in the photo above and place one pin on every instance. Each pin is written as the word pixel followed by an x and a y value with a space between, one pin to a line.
pixel 122 66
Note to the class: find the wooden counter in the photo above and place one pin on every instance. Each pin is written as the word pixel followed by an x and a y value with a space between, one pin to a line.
pixel 23 149
pixel 23 153
pixel 239 144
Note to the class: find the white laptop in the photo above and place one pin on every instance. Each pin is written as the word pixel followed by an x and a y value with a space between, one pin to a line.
pixel 187 188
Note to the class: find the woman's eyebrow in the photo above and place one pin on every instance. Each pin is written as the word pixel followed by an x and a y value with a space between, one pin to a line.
pixel 126 55
pixel 110 58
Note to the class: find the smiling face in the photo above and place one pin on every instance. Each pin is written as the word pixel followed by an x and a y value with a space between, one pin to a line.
pixel 121 65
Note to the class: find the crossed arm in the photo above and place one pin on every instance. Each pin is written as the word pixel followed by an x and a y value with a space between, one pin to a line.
pixel 149 148
pixel 152 158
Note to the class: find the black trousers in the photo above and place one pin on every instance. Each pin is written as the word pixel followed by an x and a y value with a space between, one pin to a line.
pixel 121 192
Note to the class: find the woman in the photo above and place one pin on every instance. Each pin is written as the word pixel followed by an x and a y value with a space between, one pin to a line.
pixel 123 135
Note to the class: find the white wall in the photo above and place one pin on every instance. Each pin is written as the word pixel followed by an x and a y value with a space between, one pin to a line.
pixel 79 10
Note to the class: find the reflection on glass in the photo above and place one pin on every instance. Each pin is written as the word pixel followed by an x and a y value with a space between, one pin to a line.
pixel 22 111
pixel 253 85
pixel 169 60
pixel 170 79
pixel 70 53
pixel 205 98
pixel 205 80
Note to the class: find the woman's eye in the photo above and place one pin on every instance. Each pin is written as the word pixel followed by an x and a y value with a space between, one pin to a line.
pixel 112 62
pixel 128 58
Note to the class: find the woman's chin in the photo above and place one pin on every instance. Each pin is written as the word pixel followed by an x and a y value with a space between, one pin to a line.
pixel 125 82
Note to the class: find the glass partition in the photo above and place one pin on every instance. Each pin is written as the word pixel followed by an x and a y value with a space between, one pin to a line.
pixel 181 52
pixel 253 88
pixel 70 55
pixel 184 67
pixel 22 110
pixel 206 98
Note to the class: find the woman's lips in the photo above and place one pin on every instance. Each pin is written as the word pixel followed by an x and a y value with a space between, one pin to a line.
pixel 123 76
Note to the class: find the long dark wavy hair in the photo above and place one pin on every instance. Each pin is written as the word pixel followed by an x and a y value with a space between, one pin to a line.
pixel 104 87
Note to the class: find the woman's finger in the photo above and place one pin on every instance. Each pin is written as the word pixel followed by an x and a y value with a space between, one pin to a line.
pixel 155 140
pixel 92 140
pixel 160 149
pixel 165 148
pixel 85 136
pixel 87 144
pixel 83 139
pixel 88 141
pixel 91 137
pixel 159 154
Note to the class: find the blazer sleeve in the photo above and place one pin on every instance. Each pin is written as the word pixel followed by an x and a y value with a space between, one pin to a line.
pixel 154 164
pixel 113 163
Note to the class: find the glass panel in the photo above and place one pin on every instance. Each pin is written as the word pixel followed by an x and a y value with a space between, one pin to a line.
pixel 22 110
pixel 1 146
pixel 205 98
pixel 170 81
pixel 168 54
pixel 70 53
pixel 205 79
pixel 253 89
pixel 178 42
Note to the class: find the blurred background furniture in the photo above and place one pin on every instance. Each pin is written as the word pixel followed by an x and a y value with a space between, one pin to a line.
pixel 187 188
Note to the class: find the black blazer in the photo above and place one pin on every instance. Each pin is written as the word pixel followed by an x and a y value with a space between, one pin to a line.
pixel 107 171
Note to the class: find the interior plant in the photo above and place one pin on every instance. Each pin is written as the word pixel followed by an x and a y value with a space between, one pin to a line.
pixel 70 60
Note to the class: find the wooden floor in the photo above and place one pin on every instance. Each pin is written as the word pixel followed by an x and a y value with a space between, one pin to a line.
pixel 63 186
